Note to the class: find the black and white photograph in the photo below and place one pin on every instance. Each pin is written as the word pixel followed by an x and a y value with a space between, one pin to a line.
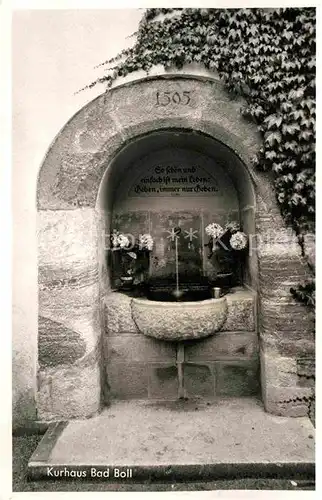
pixel 163 248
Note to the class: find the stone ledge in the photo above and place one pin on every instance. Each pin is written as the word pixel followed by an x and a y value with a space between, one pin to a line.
pixel 152 439
pixel 241 304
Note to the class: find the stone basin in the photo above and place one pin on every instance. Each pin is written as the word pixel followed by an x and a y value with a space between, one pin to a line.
pixel 179 320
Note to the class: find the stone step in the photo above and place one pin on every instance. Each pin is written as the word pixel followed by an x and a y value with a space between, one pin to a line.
pixel 172 441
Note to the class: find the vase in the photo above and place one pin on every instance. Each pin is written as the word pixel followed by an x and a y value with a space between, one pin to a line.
pixel 127 282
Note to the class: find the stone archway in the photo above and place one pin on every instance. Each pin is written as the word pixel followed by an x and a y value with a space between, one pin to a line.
pixel 70 371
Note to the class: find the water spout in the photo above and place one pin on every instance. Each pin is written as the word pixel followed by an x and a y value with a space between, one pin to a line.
pixel 177 292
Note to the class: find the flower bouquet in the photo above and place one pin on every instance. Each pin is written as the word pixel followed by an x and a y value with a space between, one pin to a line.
pixel 133 254
pixel 226 246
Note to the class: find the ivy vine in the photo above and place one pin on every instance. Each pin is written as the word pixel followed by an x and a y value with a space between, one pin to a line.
pixel 268 56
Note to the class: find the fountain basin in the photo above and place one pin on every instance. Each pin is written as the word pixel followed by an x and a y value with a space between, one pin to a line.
pixel 176 321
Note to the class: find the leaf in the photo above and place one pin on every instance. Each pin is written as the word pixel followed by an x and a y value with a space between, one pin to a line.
pixel 273 121
pixel 277 167
pixel 311 63
pixel 273 137
pixel 270 155
pixel 288 35
pixel 291 146
pixel 306 135
pixel 296 93
pixel 290 128
pixel 297 199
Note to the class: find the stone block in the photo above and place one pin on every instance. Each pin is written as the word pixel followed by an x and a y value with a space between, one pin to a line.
pixel 127 380
pixel 198 379
pixel 278 371
pixel 138 348
pixel 288 401
pixel 290 317
pixel 237 379
pixel 75 310
pixel 276 344
pixel 58 345
pixel 67 240
pixel 305 372
pixel 309 248
pixel 65 393
pixel 240 311
pixel 163 381
pixel 119 314
pixel 223 345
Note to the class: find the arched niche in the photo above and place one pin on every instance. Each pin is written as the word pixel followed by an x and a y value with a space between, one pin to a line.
pixel 182 178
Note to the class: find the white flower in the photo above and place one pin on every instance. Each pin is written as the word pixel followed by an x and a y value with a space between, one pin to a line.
pixel 232 226
pixel 238 241
pixel 146 241
pixel 120 240
pixel 214 230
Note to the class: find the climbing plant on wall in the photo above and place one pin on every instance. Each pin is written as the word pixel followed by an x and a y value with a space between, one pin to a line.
pixel 265 55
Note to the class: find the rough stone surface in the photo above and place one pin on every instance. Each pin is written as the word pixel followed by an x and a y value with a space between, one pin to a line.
pixel 67 240
pixel 309 248
pixel 119 314
pixel 306 372
pixel 288 401
pixel 223 345
pixel 240 316
pixel 237 379
pixel 276 344
pixel 179 320
pixel 74 165
pixel 68 392
pixel 128 380
pixel 278 371
pixel 58 345
pixel 198 380
pixel 163 381
pixel 133 348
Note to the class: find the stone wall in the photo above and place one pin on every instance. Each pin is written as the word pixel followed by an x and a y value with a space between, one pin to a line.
pixel 140 367
pixel 286 326
pixel 69 291
pixel 69 330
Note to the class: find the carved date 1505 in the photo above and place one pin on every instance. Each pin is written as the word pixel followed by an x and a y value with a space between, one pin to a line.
pixel 166 98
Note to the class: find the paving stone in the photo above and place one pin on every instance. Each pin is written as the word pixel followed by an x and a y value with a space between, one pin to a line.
pixel 230 436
